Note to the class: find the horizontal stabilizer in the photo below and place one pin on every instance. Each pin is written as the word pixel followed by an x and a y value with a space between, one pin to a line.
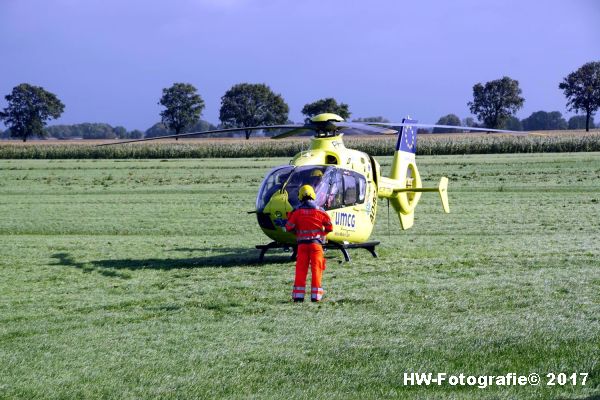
pixel 442 189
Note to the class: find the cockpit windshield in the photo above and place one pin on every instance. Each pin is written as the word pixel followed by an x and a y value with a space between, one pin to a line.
pixel 315 176
pixel 334 187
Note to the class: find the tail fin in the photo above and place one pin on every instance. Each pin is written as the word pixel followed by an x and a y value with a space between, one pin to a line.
pixel 406 147
pixel 406 174
pixel 404 186
pixel 407 137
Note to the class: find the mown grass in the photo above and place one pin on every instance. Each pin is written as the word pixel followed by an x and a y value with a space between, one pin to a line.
pixel 449 144
pixel 138 279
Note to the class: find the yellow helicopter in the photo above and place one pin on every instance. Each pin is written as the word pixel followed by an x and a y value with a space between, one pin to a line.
pixel 347 182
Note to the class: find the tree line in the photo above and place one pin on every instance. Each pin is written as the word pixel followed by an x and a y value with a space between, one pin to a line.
pixel 537 121
pixel 244 105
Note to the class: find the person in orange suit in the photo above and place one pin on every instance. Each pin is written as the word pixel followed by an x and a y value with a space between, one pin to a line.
pixel 311 225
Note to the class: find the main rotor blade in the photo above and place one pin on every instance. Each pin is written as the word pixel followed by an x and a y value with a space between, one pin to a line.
pixel 357 127
pixel 469 128
pixel 293 132
pixel 188 134
pixel 351 126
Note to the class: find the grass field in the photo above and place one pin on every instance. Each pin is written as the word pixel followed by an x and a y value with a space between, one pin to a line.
pixel 138 279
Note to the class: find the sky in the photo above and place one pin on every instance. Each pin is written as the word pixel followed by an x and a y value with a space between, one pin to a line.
pixel 108 60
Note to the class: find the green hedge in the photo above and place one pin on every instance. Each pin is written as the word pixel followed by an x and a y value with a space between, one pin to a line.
pixel 376 146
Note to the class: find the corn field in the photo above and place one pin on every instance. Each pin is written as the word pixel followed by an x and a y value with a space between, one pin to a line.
pixel 233 148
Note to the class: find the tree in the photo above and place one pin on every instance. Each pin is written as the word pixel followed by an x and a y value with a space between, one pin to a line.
pixel 449 119
pixel 86 130
pixel 60 131
pixel 577 122
pixel 328 105
pixel 160 129
pixel 29 107
pixel 496 101
pixel 582 90
pixel 183 106
pixel 469 122
pixel 544 121
pixel 121 132
pixel 156 130
pixel 513 123
pixel 95 131
pixel 135 134
pixel 202 126
pixel 371 119
pixel 248 104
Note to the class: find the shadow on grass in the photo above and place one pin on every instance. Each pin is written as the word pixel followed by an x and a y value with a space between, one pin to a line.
pixel 221 258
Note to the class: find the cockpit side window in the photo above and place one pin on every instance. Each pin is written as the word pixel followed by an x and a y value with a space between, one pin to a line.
pixel 362 189
pixel 346 188
pixel 335 191
pixel 350 190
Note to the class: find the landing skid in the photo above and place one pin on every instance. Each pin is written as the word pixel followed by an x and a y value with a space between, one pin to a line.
pixel 343 247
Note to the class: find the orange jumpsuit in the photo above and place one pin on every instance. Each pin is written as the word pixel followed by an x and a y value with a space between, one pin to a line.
pixel 311 225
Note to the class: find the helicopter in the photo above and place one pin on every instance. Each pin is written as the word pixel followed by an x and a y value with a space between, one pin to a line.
pixel 348 183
